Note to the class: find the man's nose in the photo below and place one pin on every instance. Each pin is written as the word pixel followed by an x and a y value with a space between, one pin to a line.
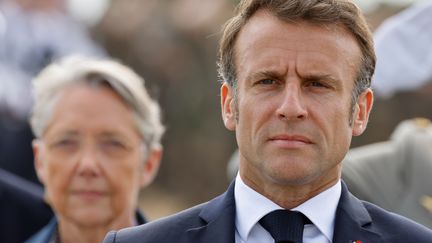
pixel 292 104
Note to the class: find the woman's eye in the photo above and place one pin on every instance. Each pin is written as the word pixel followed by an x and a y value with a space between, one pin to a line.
pixel 64 142
pixel 114 145
pixel 115 148
pixel 64 145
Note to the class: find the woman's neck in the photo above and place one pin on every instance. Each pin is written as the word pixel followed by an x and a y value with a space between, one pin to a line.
pixel 71 232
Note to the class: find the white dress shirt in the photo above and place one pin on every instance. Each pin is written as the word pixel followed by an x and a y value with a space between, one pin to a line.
pixel 252 206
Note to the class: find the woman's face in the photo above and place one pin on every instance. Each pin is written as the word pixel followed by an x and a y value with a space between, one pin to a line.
pixel 91 158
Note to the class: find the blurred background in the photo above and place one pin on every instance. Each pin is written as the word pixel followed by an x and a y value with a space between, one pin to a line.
pixel 173 45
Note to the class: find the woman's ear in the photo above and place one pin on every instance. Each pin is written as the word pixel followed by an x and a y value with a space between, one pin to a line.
pixel 151 166
pixel 38 154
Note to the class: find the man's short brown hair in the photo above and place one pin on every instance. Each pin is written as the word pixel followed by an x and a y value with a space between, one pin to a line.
pixel 321 12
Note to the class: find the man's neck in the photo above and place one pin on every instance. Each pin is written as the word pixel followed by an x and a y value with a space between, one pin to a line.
pixel 289 196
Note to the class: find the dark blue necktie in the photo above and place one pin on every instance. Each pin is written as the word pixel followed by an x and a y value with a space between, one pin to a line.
pixel 285 226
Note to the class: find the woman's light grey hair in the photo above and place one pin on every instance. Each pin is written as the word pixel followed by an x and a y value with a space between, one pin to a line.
pixel 78 69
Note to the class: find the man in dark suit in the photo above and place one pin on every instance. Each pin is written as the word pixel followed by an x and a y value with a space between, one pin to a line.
pixel 296 88
pixel 22 208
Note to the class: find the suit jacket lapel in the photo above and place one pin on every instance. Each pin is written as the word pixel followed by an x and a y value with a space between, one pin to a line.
pixel 219 220
pixel 353 222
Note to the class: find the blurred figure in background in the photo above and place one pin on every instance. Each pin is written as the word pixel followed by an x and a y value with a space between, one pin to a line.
pixel 22 208
pixel 32 34
pixel 97 143
pixel 404 53
pixel 396 174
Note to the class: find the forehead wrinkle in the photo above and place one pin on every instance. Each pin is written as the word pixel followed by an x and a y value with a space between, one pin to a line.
pixel 268 65
pixel 271 41
pixel 275 66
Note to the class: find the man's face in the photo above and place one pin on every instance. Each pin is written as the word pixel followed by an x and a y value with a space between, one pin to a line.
pixel 293 101
pixel 91 158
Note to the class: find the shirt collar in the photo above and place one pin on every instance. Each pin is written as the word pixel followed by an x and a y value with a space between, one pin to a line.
pixel 252 206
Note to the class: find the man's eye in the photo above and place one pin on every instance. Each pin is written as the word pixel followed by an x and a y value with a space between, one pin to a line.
pixel 316 84
pixel 267 81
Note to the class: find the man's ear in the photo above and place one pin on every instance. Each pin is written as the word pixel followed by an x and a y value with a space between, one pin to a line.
pixel 228 107
pixel 362 111
pixel 151 166
pixel 38 154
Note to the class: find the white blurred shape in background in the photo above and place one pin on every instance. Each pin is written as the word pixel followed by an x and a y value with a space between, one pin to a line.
pixel 371 5
pixel 87 12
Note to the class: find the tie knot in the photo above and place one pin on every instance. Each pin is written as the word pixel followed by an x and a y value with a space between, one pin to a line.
pixel 285 225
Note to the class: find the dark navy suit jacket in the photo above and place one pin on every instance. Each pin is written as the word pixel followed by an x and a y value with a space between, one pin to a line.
pixel 213 222
pixel 48 232
pixel 22 208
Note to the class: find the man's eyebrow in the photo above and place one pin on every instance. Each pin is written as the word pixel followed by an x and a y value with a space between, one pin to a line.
pixel 271 74
pixel 318 77
pixel 263 74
